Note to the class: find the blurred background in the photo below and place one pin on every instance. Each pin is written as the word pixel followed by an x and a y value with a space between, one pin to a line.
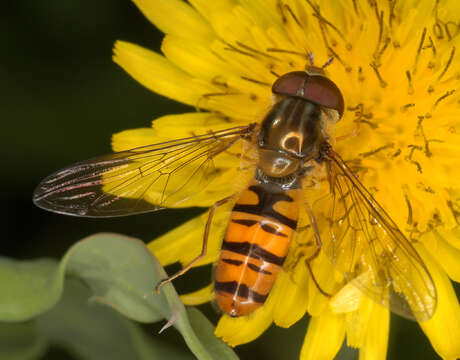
pixel 61 98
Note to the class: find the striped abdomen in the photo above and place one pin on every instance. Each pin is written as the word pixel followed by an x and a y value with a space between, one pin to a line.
pixel 261 227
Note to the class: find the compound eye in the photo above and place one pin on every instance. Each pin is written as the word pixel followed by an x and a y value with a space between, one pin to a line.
pixel 316 88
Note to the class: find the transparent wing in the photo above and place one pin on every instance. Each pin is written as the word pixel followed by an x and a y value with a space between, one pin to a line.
pixel 368 248
pixel 139 180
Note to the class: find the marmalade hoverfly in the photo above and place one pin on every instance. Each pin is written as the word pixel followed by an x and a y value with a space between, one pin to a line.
pixel 292 143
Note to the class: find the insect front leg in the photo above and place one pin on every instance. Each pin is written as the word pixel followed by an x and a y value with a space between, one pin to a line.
pixel 203 249
pixel 359 111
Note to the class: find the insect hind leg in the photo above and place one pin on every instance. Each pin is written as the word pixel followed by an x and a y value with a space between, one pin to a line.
pixel 310 270
pixel 203 249
pixel 319 245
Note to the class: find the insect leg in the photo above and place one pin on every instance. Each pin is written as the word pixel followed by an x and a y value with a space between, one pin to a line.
pixel 319 244
pixel 203 249
pixel 359 115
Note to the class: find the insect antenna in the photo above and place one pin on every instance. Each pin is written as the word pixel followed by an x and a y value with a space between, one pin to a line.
pixel 311 68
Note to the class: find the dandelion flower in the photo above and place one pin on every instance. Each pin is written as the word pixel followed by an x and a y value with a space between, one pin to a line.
pixel 397 64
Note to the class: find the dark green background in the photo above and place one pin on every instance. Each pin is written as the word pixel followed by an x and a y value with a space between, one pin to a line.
pixel 61 98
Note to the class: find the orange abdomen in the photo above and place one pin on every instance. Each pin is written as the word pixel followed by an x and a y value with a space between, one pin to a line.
pixel 257 240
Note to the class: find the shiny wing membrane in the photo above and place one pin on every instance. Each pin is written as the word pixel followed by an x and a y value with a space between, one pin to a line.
pixel 142 179
pixel 368 248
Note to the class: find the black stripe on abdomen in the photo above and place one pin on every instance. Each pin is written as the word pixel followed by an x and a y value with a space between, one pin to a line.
pixel 258 269
pixel 252 266
pixel 245 222
pixel 255 209
pixel 254 251
pixel 271 230
pixel 265 226
pixel 264 207
pixel 232 262
pixel 240 289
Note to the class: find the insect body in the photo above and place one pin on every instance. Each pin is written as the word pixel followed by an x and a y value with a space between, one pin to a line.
pixel 292 144
pixel 264 219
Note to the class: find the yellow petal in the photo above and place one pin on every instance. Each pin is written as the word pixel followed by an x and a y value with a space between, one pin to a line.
pixel 184 239
pixel 266 9
pixel 176 17
pixel 347 299
pixel 180 126
pixel 445 254
pixel 323 271
pixel 184 243
pixel 236 331
pixel 357 322
pixel 199 297
pixel 195 58
pixel 443 329
pixel 367 323
pixel 207 8
pixel 452 236
pixel 375 342
pixel 130 139
pixel 185 125
pixel 293 299
pixel 324 337
pixel 156 73
pixel 171 127
pixel 447 8
pixel 223 24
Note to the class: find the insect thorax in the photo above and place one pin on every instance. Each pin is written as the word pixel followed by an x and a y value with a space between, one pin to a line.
pixel 289 137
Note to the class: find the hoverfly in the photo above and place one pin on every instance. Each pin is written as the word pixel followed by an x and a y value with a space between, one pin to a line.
pixel 293 146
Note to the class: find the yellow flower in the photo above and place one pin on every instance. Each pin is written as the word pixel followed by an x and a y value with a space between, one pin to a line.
pixel 398 67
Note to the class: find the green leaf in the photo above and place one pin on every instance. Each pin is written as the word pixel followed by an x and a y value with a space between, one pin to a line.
pixel 23 341
pixel 88 330
pixel 121 272
pixel 93 332
pixel 27 288
pixel 205 331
